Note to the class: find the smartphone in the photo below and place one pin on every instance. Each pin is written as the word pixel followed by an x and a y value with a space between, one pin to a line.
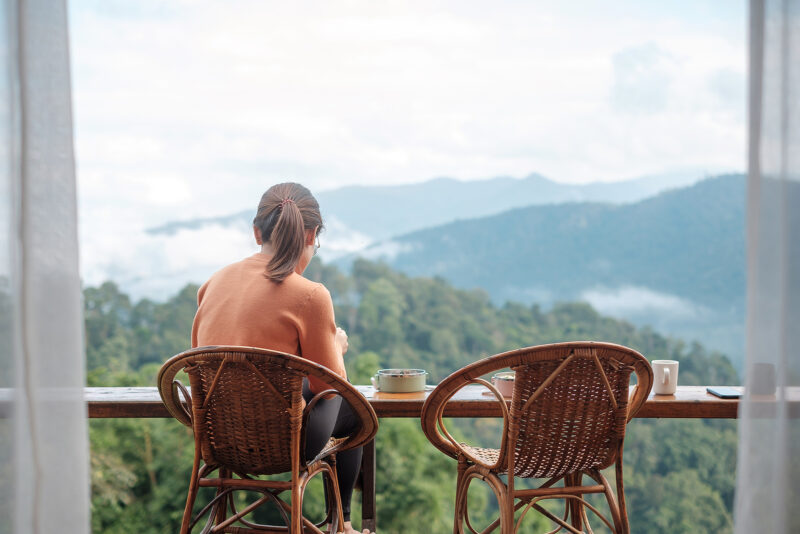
pixel 724 392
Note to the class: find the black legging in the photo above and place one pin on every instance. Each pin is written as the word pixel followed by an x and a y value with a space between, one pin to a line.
pixel 334 418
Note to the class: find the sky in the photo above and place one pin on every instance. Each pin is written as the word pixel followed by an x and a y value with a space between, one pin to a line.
pixel 192 108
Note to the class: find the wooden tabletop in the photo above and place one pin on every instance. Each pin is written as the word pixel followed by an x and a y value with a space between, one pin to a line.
pixel 474 401
pixel 691 402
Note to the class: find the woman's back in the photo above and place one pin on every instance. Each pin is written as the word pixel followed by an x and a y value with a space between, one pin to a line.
pixel 238 305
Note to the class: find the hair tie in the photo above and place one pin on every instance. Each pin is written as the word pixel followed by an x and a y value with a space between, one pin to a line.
pixel 286 201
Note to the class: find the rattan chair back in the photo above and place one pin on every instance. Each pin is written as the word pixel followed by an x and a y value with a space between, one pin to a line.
pixel 247 404
pixel 570 407
pixel 242 411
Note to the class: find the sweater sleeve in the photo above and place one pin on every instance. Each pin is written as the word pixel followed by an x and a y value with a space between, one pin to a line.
pixel 317 335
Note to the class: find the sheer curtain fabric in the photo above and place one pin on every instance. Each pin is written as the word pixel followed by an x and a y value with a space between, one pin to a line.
pixel 43 427
pixel 768 480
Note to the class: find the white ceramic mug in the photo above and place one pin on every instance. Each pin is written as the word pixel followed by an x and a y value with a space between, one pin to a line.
pixel 665 377
pixel 504 382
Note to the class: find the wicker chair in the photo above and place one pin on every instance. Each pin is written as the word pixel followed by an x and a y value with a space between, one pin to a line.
pixel 247 415
pixel 569 408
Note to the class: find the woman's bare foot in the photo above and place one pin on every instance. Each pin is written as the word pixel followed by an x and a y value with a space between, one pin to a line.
pixel 348 529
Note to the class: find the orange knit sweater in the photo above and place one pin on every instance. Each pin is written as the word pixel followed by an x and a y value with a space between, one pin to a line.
pixel 239 306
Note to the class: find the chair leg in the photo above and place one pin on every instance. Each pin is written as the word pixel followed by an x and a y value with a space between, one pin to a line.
pixel 624 527
pixel 222 510
pixel 461 499
pixel 335 499
pixel 613 506
pixel 296 526
pixel 194 485
pixel 575 507
pixel 505 501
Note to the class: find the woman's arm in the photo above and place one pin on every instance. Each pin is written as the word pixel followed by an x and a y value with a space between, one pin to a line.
pixel 320 340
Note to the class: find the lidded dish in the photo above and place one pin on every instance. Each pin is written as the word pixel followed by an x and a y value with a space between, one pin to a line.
pixel 399 380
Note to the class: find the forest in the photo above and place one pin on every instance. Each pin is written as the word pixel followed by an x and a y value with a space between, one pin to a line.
pixel 679 474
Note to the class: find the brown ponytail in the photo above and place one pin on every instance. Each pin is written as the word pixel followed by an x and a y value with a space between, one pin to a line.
pixel 284 214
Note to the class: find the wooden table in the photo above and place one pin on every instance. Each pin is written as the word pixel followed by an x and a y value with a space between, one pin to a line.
pixel 689 402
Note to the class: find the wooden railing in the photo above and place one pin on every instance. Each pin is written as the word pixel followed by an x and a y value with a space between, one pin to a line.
pixel 689 402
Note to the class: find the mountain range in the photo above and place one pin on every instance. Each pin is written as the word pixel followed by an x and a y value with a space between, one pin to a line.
pixel 644 250
pixel 675 261
pixel 688 242
pixel 364 214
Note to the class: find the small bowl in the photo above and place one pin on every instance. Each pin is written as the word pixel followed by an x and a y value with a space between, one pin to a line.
pixel 504 382
pixel 399 380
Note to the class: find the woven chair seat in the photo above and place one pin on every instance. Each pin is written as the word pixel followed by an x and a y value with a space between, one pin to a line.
pixel 484 455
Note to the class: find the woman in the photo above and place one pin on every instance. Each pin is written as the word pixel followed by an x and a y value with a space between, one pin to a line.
pixel 263 301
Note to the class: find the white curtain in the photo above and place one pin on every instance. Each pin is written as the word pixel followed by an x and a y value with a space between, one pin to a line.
pixel 768 480
pixel 43 427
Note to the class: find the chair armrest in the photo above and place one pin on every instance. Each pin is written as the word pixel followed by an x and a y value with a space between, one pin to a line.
pixel 306 412
pixel 179 390
pixel 433 423
pixel 644 383
pixel 358 403
pixel 171 391
pixel 636 400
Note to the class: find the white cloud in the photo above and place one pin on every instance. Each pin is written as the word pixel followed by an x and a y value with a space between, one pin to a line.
pixel 357 93
pixel 338 240
pixel 633 301
pixel 156 266
pixel 386 250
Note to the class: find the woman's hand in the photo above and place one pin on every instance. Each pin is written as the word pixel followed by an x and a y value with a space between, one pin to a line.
pixel 341 340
